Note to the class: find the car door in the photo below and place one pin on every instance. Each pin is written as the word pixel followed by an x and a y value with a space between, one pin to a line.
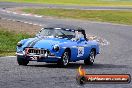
pixel 82 50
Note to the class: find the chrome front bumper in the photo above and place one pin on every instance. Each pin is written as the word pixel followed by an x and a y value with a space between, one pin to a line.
pixel 21 54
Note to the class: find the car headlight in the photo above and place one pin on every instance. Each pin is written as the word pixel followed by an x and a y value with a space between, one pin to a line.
pixel 46 54
pixel 56 48
pixel 19 44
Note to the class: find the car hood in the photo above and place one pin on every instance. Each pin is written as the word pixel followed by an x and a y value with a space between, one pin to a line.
pixel 46 43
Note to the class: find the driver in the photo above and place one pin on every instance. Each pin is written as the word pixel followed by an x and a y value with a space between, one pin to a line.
pixel 79 35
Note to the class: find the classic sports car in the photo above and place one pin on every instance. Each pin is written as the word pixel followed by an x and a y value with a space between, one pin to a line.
pixel 59 45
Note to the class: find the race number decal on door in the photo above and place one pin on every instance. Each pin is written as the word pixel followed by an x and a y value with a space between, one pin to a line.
pixel 80 51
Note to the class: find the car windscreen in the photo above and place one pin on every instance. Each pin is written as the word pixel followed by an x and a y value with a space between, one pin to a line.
pixel 60 33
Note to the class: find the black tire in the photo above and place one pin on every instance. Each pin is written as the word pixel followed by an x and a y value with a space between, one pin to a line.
pixel 90 59
pixel 22 61
pixel 64 61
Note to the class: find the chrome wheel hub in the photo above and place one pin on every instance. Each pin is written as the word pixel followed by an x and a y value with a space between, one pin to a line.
pixel 92 56
pixel 65 58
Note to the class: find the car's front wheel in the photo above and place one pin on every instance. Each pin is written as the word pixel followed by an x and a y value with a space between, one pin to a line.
pixel 22 61
pixel 64 61
pixel 91 58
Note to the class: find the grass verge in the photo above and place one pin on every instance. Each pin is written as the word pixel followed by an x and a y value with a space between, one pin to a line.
pixel 121 17
pixel 80 2
pixel 8 41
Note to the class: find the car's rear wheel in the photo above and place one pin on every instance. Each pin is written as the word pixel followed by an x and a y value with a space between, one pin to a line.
pixel 91 58
pixel 64 61
pixel 22 61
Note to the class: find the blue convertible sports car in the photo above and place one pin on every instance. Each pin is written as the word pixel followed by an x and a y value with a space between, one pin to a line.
pixel 59 45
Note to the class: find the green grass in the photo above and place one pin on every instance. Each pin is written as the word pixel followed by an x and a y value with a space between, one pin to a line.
pixel 80 2
pixel 122 17
pixel 8 41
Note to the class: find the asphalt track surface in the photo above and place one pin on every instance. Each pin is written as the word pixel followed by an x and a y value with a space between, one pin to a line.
pixel 114 58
